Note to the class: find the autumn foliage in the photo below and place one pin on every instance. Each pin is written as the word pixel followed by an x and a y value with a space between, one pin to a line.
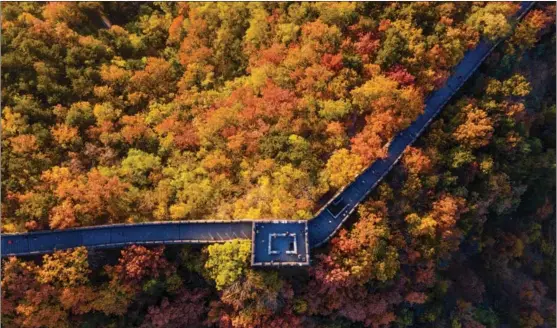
pixel 127 112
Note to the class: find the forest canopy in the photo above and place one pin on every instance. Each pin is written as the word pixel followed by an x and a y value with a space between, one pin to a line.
pixel 121 112
pixel 124 112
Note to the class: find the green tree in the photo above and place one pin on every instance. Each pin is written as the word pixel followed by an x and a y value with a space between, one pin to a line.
pixel 492 20
pixel 137 166
pixel 227 262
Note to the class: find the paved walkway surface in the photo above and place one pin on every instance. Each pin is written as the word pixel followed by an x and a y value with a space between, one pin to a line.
pixel 280 243
pixel 111 236
pixel 313 233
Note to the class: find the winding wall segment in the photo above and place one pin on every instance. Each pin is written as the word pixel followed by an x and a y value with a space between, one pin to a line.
pixel 320 229
pixel 324 226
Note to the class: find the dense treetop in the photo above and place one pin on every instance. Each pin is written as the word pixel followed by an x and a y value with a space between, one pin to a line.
pixel 121 112
pixel 132 112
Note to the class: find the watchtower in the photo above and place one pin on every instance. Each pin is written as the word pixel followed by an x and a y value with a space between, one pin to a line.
pixel 280 243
